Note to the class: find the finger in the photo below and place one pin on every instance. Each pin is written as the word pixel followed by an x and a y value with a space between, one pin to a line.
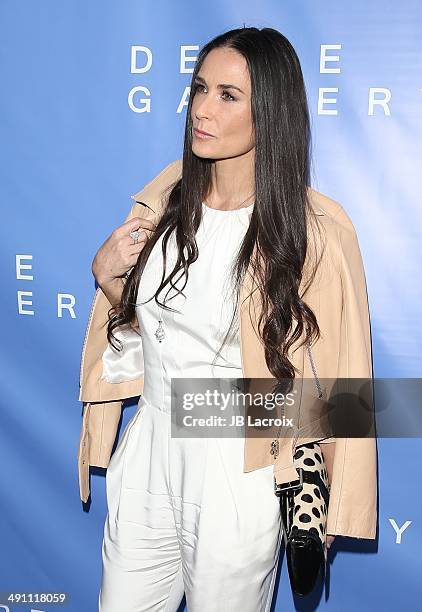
pixel 137 223
pixel 134 249
pixel 133 256
pixel 143 233
pixel 140 239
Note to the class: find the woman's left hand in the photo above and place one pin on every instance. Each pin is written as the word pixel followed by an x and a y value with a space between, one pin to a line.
pixel 329 540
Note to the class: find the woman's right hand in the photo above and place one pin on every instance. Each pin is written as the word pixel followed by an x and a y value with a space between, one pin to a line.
pixel 119 253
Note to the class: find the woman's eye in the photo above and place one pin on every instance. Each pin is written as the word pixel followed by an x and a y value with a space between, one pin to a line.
pixel 198 86
pixel 226 92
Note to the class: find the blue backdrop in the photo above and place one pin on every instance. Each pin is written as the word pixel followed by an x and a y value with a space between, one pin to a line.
pixel 83 126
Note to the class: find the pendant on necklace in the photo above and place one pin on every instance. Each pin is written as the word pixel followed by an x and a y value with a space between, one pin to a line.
pixel 160 333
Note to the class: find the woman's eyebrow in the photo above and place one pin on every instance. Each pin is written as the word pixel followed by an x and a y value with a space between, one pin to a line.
pixel 221 85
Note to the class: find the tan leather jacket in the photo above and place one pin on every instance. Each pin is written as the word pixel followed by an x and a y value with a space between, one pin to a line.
pixel 338 298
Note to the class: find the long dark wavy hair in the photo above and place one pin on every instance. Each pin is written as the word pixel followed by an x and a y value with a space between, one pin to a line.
pixel 278 229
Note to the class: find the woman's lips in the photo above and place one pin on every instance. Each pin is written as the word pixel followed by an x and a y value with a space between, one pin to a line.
pixel 201 134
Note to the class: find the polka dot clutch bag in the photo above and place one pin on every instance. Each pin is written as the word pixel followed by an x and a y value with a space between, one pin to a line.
pixel 304 507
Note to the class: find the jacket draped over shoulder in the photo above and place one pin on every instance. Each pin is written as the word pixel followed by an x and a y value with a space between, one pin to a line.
pixel 337 296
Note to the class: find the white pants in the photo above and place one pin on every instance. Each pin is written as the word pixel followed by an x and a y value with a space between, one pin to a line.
pixel 184 517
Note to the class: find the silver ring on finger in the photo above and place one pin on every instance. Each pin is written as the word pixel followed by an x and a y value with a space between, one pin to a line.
pixel 136 234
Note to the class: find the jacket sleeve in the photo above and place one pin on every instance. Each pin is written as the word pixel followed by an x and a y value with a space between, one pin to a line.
pixel 99 425
pixel 99 419
pixel 356 354
pixel 354 472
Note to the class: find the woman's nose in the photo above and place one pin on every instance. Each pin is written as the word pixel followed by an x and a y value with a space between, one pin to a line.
pixel 205 108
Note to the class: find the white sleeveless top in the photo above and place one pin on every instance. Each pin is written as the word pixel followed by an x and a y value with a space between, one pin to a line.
pixel 194 334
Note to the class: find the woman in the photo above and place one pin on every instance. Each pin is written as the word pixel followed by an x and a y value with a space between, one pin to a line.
pixel 183 513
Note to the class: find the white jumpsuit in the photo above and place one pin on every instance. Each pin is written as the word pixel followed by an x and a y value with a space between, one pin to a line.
pixel 183 516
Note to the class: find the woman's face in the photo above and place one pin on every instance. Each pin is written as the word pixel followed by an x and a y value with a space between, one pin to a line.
pixel 223 112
